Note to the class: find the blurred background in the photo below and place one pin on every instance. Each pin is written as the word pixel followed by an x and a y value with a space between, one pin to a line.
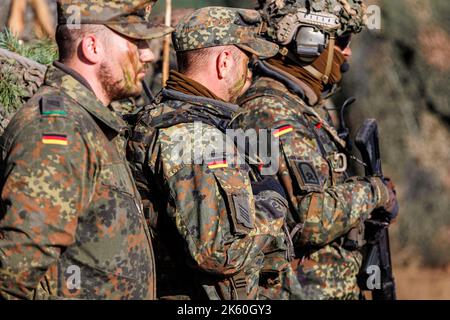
pixel 399 75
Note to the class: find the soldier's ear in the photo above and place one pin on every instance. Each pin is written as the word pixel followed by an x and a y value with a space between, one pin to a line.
pixel 224 63
pixel 92 49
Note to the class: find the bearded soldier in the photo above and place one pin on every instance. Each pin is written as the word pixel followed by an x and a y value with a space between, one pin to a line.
pixel 220 232
pixel 72 224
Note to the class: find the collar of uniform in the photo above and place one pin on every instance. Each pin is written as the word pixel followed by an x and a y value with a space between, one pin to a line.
pixel 76 87
pixel 311 98
pixel 227 109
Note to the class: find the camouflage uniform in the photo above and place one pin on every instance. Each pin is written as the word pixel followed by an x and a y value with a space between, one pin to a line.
pixel 72 224
pixel 204 211
pixel 325 204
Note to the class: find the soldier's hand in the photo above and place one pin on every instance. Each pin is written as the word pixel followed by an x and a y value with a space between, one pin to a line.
pixel 391 206
pixel 387 197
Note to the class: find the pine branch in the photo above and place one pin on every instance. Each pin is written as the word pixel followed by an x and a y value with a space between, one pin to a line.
pixel 42 51
pixel 11 93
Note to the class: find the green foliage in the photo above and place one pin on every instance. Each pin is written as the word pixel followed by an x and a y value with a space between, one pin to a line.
pixel 11 93
pixel 42 51
pixel 13 87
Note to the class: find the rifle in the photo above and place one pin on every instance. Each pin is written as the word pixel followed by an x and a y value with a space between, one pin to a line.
pixel 377 266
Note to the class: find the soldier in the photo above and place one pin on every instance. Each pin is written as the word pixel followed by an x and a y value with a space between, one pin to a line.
pixel 325 204
pixel 202 208
pixel 72 224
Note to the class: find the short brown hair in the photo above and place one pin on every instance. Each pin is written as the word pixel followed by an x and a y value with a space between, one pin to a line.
pixel 68 38
pixel 193 59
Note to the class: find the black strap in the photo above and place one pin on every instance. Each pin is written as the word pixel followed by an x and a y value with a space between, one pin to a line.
pixel 227 109
pixel 190 115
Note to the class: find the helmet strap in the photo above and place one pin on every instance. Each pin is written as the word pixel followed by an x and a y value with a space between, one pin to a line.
pixel 326 76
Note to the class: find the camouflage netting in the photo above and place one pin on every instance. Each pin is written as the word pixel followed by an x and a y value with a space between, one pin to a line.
pixel 400 76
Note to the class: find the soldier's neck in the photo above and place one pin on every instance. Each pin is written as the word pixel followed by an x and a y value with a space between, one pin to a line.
pixel 211 83
pixel 88 77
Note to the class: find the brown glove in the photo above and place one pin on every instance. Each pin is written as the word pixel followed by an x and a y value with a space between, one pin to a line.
pixel 392 206
pixel 386 196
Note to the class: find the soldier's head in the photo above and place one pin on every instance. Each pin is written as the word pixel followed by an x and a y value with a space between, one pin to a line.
pixel 107 43
pixel 314 32
pixel 214 46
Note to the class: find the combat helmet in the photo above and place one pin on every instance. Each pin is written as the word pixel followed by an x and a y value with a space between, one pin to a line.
pixel 306 27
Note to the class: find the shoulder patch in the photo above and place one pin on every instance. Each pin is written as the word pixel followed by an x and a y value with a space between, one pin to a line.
pixel 305 175
pixel 243 214
pixel 308 174
pixel 283 131
pixel 53 106
pixel 218 164
pixel 55 139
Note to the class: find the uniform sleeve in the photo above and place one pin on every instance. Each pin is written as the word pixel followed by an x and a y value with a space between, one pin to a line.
pixel 332 213
pixel 213 208
pixel 325 212
pixel 44 188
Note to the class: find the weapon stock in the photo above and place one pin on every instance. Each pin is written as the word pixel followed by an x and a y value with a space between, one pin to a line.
pixel 377 255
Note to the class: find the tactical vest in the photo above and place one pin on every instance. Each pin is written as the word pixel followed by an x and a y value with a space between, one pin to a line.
pixel 265 191
pixel 337 158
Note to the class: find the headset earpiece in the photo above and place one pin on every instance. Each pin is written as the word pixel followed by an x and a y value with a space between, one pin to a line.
pixel 310 43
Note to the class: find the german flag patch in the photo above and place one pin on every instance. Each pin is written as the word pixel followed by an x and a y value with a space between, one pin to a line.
pixel 55 139
pixel 283 130
pixel 218 164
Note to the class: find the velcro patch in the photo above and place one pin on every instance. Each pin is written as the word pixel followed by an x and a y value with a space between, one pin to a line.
pixel 309 175
pixel 53 106
pixel 305 174
pixel 243 214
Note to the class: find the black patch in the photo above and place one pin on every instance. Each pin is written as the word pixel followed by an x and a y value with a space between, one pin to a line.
pixel 242 211
pixel 52 104
pixel 309 175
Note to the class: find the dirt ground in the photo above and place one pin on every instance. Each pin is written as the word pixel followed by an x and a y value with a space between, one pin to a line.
pixel 414 283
